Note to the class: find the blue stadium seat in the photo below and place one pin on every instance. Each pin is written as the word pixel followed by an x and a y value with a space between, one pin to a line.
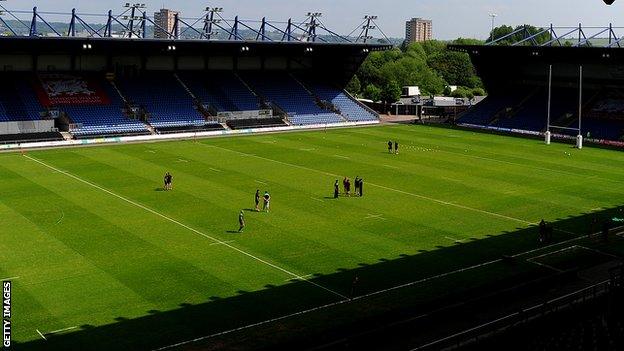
pixel 164 99
pixel 222 90
pixel 283 90
pixel 349 108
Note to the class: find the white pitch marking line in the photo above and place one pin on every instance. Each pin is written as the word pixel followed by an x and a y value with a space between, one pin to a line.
pixel 453 239
pixel 598 251
pixel 9 278
pixel 181 160
pixel 343 157
pixel 225 242
pixel 380 186
pixel 554 252
pixel 312 149
pixel 374 216
pixel 183 225
pixel 215 170
pixel 316 199
pixel 41 335
pixel 305 276
pixel 151 151
pixel 61 330
pixel 260 182
pixel 392 167
pixel 545 265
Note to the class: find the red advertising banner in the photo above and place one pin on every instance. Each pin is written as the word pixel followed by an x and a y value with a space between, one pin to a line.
pixel 68 89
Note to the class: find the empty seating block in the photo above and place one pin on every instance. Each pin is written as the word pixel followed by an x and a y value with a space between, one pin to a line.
pixel 284 91
pixel 18 101
pixel 349 108
pixel 164 99
pixel 222 90
pixel 107 119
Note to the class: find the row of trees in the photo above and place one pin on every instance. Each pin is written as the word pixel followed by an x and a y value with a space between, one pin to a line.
pixel 429 65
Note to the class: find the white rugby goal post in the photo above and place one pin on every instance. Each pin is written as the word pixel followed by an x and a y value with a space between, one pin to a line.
pixel 549 126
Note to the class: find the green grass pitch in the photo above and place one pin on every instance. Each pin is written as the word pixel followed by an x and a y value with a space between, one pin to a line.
pixel 91 240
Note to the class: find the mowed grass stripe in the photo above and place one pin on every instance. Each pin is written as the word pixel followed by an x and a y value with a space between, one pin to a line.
pixel 514 150
pixel 458 176
pixel 112 238
pixel 536 190
pixel 261 260
pixel 438 201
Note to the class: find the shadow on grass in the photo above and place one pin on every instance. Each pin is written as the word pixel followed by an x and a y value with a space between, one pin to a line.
pixel 222 313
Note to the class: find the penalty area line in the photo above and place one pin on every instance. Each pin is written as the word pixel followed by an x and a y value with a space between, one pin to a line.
pixel 189 228
pixel 41 335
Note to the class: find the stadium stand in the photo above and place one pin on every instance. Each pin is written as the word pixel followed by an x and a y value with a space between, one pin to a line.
pixel 164 100
pixel 524 110
pixel 348 107
pixel 286 92
pixel 107 118
pixel 18 101
pixel 222 90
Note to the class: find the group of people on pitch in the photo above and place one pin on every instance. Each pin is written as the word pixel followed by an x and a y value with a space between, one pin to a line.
pixel 346 186
pixel 168 179
pixel 396 147
pixel 266 205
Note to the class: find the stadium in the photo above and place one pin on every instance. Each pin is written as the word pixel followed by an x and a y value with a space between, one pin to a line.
pixel 465 233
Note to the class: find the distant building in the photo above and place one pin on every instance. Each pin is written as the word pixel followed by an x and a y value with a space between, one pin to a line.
pixel 418 30
pixel 165 19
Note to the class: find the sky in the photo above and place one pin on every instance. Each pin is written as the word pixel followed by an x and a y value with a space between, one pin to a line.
pixel 451 18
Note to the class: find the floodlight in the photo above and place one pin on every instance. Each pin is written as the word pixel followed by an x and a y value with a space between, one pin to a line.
pixel 608 2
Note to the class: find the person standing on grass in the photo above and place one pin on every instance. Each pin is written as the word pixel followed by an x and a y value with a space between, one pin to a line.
pixel 354 285
pixel 168 179
pixel 396 147
pixel 165 180
pixel 390 147
pixel 241 221
pixel 361 187
pixel 344 185
pixel 267 201
pixel 257 200
pixel 336 189
pixel 348 187
pixel 542 231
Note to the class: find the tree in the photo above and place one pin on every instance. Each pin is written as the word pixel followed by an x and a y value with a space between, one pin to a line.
pixel 391 92
pixel 354 86
pixel 430 65
pixel 455 67
pixel 500 32
pixel 372 92
pixel 523 32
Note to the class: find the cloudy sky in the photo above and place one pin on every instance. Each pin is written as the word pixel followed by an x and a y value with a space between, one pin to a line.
pixel 452 18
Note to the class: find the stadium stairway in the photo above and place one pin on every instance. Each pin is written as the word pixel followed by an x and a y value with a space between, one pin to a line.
pixel 324 104
pixel 287 95
pixel 342 102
